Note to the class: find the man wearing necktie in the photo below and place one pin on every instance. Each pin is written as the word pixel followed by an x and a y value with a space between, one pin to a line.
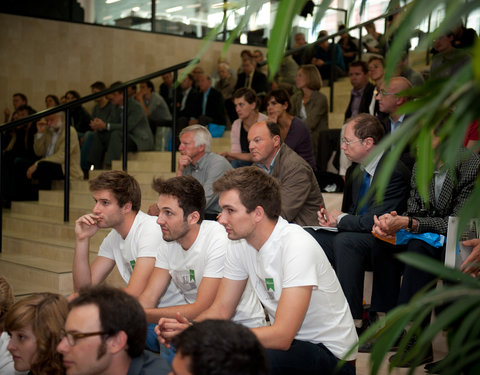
pixel 210 104
pixel 349 250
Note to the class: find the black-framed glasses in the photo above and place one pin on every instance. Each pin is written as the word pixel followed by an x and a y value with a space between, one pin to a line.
pixel 348 143
pixel 72 337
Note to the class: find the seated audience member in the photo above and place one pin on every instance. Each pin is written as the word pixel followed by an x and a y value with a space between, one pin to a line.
pixel 449 60
pixel 109 140
pixel 309 104
pixel 349 46
pixel 218 347
pixel 17 156
pixel 226 86
pixel 49 145
pixel 105 111
pixel 18 100
pixel 322 58
pixel 209 104
pixel 265 250
pixel 404 70
pixel 349 251
pixel 294 132
pixel 166 90
pixel 79 117
pixel 105 334
pixel 251 78
pixel 287 71
pixel 298 185
pixel 51 101
pixel 6 301
pixel 196 73
pixel 390 101
pixel 362 89
pixel 246 105
pixel 34 325
pixel 132 91
pixel 187 104
pixel 448 191
pixel 376 72
pixel 300 57
pixel 132 243
pixel 373 41
pixel 260 62
pixel 197 160
pixel 154 106
pixel 192 257
pixel 471 265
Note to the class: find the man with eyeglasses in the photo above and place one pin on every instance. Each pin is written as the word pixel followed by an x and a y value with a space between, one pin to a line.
pixel 105 334
pixel 349 249
pixel 390 100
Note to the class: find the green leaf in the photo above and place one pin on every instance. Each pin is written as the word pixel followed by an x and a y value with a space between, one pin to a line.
pixel 282 25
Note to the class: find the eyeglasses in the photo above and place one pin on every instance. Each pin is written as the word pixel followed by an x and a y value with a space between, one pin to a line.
pixel 348 143
pixel 72 337
pixel 384 93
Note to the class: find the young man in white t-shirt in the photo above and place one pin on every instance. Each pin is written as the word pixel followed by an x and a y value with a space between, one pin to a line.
pixel 311 324
pixel 131 245
pixel 192 256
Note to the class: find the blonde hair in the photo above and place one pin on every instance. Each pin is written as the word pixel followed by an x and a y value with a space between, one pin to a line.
pixel 46 314
pixel 6 299
pixel 314 79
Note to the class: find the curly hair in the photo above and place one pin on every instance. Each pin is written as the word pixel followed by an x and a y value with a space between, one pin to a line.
pixel 46 314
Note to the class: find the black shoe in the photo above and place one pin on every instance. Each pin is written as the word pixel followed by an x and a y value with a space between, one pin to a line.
pixel 428 357
pixel 429 367
pixel 367 346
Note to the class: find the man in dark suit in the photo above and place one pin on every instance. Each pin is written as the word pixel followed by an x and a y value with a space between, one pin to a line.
pixel 362 91
pixel 349 250
pixel 209 104
pixel 250 77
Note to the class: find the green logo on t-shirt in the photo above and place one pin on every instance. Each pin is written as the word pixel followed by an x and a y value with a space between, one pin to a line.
pixel 132 263
pixel 192 275
pixel 269 284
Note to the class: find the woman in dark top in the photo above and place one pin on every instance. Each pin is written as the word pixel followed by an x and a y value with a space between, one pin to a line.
pixel 293 131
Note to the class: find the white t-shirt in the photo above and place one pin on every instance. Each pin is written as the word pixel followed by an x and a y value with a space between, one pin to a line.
pixel 292 258
pixel 206 258
pixel 143 240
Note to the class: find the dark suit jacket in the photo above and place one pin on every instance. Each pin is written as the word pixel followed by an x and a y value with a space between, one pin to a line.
pixel 259 82
pixel 408 155
pixel 215 110
pixel 364 102
pixel 395 197
pixel 191 105
pixel 456 190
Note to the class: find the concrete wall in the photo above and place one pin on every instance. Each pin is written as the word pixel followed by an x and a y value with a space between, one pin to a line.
pixel 40 57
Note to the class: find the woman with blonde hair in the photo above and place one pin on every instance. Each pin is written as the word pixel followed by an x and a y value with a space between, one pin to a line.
pixel 6 301
pixel 309 104
pixel 34 324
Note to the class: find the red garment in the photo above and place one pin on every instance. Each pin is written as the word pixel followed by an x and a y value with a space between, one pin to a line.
pixel 472 133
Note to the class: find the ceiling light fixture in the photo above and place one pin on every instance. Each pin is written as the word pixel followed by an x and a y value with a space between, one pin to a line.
pixel 111 1
pixel 174 9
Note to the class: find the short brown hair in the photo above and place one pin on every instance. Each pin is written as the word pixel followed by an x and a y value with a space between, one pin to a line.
pixel 361 64
pixel 188 191
pixel 256 188
pixel 367 126
pixel 123 187
pixel 281 96
pixel 6 299
pixel 314 80
pixel 248 94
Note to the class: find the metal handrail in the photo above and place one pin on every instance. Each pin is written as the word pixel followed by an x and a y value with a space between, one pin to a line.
pixel 67 107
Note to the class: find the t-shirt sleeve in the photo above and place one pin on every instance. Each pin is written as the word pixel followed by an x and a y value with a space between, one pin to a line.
pixel 162 256
pixel 215 261
pixel 234 266
pixel 106 248
pixel 149 235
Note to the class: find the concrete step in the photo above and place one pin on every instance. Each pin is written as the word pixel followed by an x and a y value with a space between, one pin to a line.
pixel 39 210
pixel 143 166
pixel 51 275
pixel 141 177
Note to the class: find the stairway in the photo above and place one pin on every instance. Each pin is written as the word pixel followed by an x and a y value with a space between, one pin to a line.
pixel 38 247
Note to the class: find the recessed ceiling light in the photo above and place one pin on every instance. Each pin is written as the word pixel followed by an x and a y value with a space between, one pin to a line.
pixel 194 5
pixel 217 5
pixel 135 9
pixel 174 9
pixel 111 1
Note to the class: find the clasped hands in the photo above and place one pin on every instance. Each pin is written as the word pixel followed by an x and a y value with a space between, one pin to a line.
pixel 167 328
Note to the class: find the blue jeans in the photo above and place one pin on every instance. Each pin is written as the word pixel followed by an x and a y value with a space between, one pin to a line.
pixel 151 343
pixel 305 358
